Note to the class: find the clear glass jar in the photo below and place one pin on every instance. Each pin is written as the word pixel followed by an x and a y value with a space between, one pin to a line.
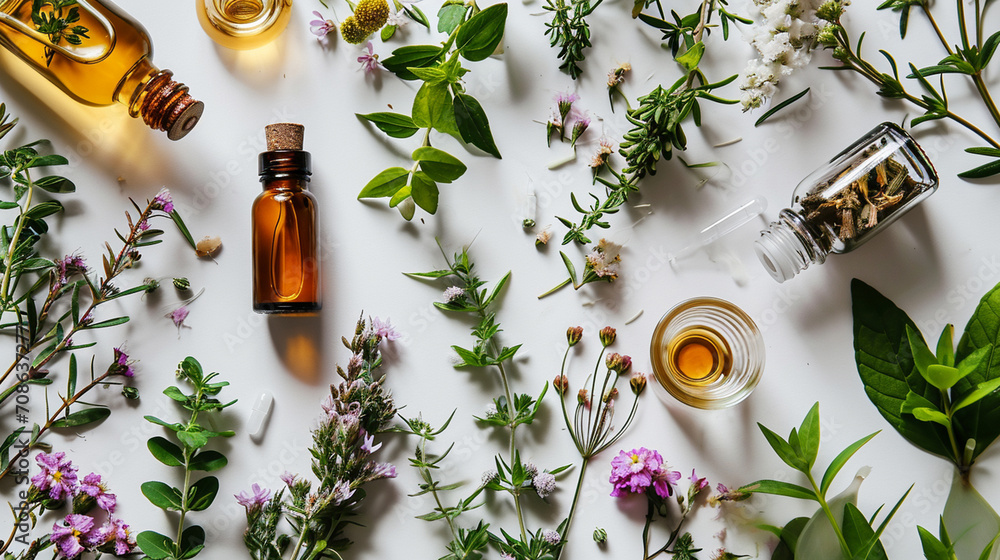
pixel 707 353
pixel 846 202
pixel 243 24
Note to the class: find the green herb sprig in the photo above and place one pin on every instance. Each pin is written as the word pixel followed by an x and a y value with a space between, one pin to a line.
pixel 57 23
pixel 508 412
pixel 441 104
pixel 186 452
pixel 855 533
pixel 569 31
pixel 968 57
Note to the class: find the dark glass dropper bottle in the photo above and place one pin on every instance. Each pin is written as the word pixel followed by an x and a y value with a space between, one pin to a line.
pixel 286 260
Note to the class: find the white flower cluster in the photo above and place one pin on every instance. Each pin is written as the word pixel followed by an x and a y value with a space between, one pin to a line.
pixel 784 36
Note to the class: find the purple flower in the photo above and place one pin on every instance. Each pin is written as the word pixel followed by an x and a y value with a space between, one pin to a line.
pixel 117 531
pixel 544 483
pixel 163 201
pixel 320 26
pixel 258 499
pixel 93 487
pixel 143 225
pixel 122 364
pixel 71 536
pixel 369 61
pixel 68 266
pixel 551 537
pixel 58 475
pixel 178 316
pixel 637 470
pixel 452 293
pixel 341 491
pixel 288 478
pixel 384 329
pixel 564 103
pixel 384 470
pixel 579 127
pixel 698 483
pixel 367 443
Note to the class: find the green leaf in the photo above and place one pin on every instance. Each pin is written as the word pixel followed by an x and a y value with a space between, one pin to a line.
pixel 192 541
pixel 770 112
pixel 208 461
pixel 82 417
pixel 784 450
pixel 986 170
pixel 840 460
pixel 468 357
pixel 431 75
pixel 173 426
pixel 473 124
pixel 202 493
pixel 175 394
pixel 927 414
pixel 424 192
pixel 162 495
pixel 861 538
pixel 922 355
pixel 779 488
pixel 411 56
pixel 182 227
pixel 432 108
pixel 393 124
pixel 885 364
pixel 479 37
pixel 981 390
pixel 942 377
pixel 386 183
pixel 439 165
pixel 165 451
pixel 934 549
pixel 945 352
pixel 449 17
pixel 981 420
pixel 109 323
pixel 155 545
pixel 71 381
pixel 691 57
pixel 431 274
pixel 193 439
pixel 789 536
pixel 401 195
pixel 809 435
pixel 387 32
pixel 56 184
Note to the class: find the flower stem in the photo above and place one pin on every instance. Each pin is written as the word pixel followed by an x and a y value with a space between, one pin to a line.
pixel 572 507
pixel 933 22
pixel 11 249
pixel 829 515
pixel 558 287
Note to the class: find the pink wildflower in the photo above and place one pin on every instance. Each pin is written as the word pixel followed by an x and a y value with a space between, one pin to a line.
pixel 58 475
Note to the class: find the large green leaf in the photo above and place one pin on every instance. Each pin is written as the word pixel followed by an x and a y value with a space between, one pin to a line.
pixel 424 192
pixel 165 451
pixel 479 37
pixel 432 108
pixel 155 545
pixel 82 417
pixel 473 124
pixel 162 495
pixel 981 420
pixel 208 461
pixel 885 363
pixel 860 536
pixel 386 183
pixel 202 493
pixel 393 124
pixel 439 165
pixel 411 56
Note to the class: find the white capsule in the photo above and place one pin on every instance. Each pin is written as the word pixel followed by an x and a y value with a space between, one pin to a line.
pixel 259 414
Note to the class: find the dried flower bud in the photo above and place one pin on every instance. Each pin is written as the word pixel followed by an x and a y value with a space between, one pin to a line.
pixel 581 398
pixel 613 361
pixel 573 335
pixel 151 284
pixel 827 36
pixel 130 393
pixel 182 284
pixel 626 365
pixel 600 536
pixel 527 223
pixel 638 383
pixel 841 54
pixel 611 393
pixel 561 383
pixel 608 336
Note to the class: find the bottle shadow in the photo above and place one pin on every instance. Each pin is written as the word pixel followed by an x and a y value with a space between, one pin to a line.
pixel 296 340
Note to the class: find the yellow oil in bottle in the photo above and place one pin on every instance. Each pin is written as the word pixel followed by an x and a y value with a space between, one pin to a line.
pixel 697 357
pixel 244 24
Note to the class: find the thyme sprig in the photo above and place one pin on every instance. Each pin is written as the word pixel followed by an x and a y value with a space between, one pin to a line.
pixel 57 23
pixel 569 31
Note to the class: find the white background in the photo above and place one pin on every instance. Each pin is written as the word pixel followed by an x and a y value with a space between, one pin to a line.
pixel 935 263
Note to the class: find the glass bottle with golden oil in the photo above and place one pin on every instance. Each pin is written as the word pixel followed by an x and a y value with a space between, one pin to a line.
pixel 243 24
pixel 286 259
pixel 100 56
pixel 707 353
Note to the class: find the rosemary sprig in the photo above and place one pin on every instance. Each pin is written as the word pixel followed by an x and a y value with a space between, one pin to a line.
pixel 57 23
pixel 570 32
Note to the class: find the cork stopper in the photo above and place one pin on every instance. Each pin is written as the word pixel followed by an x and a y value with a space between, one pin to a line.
pixel 284 136
pixel 165 104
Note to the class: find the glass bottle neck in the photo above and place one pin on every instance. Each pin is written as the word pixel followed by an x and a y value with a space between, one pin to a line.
pixel 162 103
pixel 788 247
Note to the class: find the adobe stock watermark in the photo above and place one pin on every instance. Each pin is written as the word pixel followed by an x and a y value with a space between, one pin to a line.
pixel 971 289
pixel 22 412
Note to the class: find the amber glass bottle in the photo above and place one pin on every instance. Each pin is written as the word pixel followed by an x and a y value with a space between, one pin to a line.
pixel 286 260
pixel 100 56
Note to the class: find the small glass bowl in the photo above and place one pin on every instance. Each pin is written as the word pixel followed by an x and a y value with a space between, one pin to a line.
pixel 720 324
